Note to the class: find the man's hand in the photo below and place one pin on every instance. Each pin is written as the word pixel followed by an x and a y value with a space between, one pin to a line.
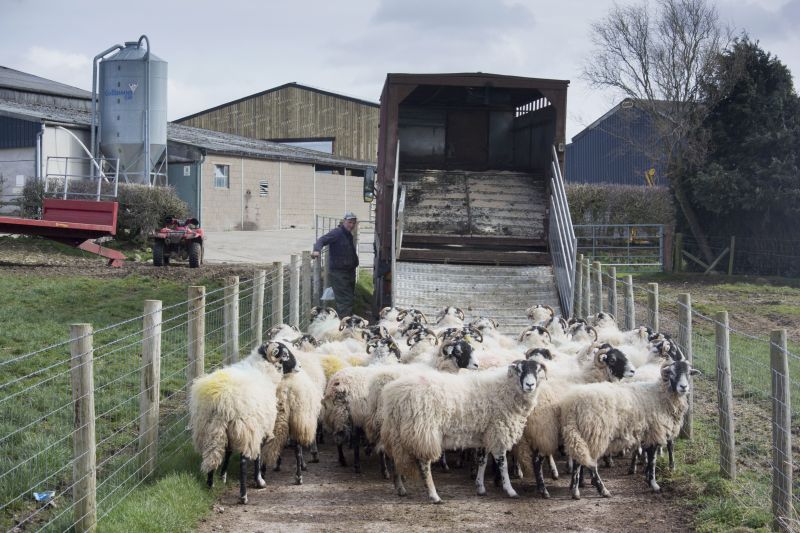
pixel 314 254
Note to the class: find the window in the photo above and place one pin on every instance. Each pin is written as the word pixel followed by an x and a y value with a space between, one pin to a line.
pixel 222 177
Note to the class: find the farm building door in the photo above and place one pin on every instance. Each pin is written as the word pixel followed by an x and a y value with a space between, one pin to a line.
pixel 183 176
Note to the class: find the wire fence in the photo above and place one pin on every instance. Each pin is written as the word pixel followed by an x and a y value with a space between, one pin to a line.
pixel 43 454
pixel 747 398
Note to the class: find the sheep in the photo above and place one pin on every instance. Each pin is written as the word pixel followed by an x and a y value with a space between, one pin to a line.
pixel 539 314
pixel 324 324
pixel 488 328
pixel 234 409
pixel 421 345
pixel 425 414
pixel 541 437
pixel 351 327
pixel 604 417
pixel 407 316
pixel 450 317
pixel 284 332
pixel 535 337
pixel 387 317
pixel 299 404
pixel 313 365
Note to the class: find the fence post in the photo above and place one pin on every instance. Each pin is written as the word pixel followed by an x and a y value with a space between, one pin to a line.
pixel 197 333
pixel 277 294
pixel 612 291
pixel 727 448
pixel 257 308
pixel 578 305
pixel 305 284
pixel 598 287
pixel 230 313
pixel 677 261
pixel 150 386
pixel 730 255
pixel 587 288
pixel 84 469
pixel 781 433
pixel 294 291
pixel 652 306
pixel 685 344
pixel 630 306
pixel 317 282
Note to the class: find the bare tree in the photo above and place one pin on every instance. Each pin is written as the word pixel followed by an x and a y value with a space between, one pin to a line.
pixel 660 55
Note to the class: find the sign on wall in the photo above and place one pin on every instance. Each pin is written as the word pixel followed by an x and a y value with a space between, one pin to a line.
pixel 263 188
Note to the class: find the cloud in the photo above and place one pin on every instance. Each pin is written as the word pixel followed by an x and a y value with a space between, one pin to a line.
pixel 66 67
pixel 446 15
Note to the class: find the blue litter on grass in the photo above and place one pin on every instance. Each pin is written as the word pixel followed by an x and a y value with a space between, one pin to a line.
pixel 44 496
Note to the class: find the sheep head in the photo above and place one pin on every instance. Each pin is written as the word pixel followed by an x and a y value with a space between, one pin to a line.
pixel 614 362
pixel 677 376
pixel 528 373
pixel 461 352
pixel 280 355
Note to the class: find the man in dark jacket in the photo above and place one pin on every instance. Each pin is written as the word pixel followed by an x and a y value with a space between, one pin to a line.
pixel 342 262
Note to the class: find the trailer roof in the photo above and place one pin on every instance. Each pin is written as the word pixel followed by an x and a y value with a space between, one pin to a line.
pixel 473 78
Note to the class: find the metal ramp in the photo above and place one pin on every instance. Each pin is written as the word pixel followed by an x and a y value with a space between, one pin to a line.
pixel 499 292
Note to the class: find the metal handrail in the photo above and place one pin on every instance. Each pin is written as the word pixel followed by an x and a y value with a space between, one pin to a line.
pixel 563 244
pixel 66 176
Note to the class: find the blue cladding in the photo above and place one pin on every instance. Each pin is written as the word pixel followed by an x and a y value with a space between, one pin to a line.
pixel 15 133
pixel 620 148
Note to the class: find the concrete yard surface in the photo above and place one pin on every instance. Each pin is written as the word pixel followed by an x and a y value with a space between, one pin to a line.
pixel 258 247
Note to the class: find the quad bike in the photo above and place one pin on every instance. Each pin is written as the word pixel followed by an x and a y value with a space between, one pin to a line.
pixel 178 240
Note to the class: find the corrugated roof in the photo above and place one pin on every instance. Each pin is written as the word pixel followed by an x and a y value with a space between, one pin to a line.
pixel 212 141
pixel 14 79
pixel 293 84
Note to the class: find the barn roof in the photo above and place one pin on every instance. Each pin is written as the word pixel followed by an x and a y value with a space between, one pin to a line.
pixel 22 81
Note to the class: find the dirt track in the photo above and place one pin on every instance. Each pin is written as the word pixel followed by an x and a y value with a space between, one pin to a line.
pixel 334 498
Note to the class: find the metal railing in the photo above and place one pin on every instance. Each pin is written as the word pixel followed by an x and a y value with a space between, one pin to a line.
pixel 622 245
pixel 562 238
pixel 61 172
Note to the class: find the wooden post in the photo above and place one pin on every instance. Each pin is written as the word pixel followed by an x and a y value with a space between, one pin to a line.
pixel 781 433
pixel 305 284
pixel 277 294
pixel 677 261
pixel 630 305
pixel 325 266
pixel 598 287
pixel 587 288
pixel 150 386
pixel 612 292
pixel 230 313
pixel 257 308
pixel 577 308
pixel 730 255
pixel 727 448
pixel 685 344
pixel 197 333
pixel 317 283
pixel 668 247
pixel 84 467
pixel 652 305
pixel 294 291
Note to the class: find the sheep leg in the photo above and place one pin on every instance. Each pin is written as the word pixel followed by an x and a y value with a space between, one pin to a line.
pixel 570 465
pixel 397 479
pixel 461 459
pixel 443 462
pixel 553 467
pixel 242 479
pixel 650 469
pixel 634 462
pixel 671 454
pixel 298 456
pixel 210 479
pixel 481 465
pixel 573 484
pixel 355 443
pixel 425 472
pixel 342 460
pixel 257 477
pixel 608 461
pixel 278 462
pixel 314 452
pixel 598 483
pixel 473 469
pixel 502 464
pixel 537 470
pixel 496 472
pixel 581 483
pixel 514 471
pixel 320 435
pixel 303 464
pixel 384 466
pixel 223 470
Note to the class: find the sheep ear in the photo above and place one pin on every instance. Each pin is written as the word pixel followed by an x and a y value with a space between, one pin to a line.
pixel 315 310
pixel 695 372
pixel 515 368
pixel 495 323
pixel 448 350
pixel 542 371
pixel 666 372
pixel 602 357
pixel 262 350
pixel 460 313
pixel 401 315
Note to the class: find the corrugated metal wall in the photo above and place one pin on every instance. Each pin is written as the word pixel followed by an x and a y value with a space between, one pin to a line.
pixel 619 149
pixel 15 133
pixel 298 113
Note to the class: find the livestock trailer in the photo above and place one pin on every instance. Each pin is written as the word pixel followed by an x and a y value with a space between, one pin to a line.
pixel 470 208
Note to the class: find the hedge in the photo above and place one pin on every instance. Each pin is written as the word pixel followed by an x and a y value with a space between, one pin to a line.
pixel 620 204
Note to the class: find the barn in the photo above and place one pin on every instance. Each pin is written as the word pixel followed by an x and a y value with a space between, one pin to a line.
pixel 299 115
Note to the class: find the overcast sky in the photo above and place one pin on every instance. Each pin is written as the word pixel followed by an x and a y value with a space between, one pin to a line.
pixel 225 49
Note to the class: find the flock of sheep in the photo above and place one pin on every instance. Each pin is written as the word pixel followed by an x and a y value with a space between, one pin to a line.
pixel 411 391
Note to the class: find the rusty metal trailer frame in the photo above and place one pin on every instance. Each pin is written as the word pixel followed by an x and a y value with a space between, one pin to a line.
pixel 397 89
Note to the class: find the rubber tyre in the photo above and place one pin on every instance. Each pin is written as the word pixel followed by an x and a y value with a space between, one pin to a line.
pixel 158 253
pixel 195 254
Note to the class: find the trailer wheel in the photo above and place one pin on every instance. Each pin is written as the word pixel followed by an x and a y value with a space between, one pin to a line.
pixel 195 254
pixel 158 253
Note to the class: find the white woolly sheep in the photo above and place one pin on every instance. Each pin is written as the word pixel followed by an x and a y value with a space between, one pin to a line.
pixel 324 324
pixel 539 314
pixel 234 408
pixel 604 417
pixel 449 317
pixel 427 414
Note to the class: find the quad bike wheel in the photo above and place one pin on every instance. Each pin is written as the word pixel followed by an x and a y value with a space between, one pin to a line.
pixel 159 258
pixel 195 254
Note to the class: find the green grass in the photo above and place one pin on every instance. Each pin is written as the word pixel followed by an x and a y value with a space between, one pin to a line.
pixel 362 303
pixel 35 396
